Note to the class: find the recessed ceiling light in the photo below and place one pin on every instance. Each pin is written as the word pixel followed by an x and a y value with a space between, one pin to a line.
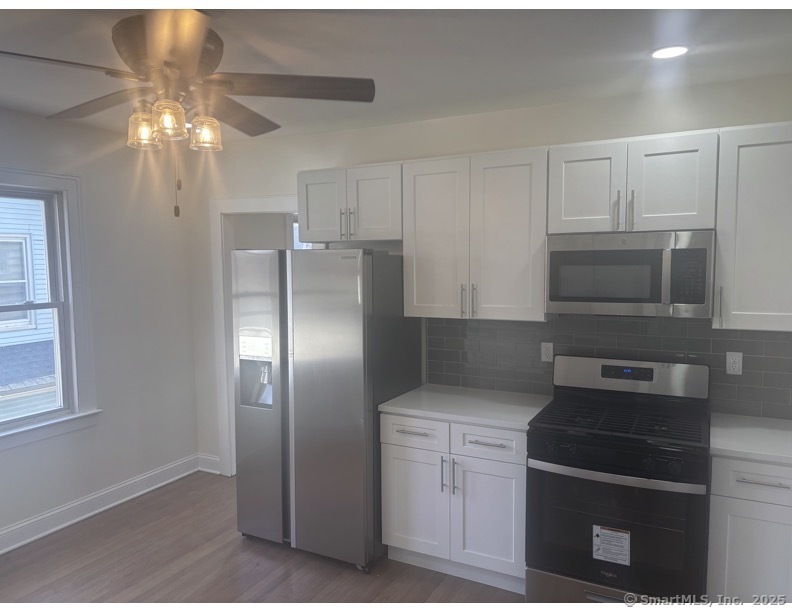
pixel 667 52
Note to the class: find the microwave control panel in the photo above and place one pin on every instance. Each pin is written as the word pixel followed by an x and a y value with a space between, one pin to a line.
pixel 689 276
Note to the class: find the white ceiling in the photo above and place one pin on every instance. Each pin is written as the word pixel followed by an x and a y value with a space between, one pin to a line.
pixel 425 64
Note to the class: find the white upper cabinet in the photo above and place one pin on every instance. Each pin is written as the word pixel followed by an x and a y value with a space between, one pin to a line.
pixel 641 184
pixel 436 198
pixel 474 236
pixel 754 251
pixel 355 204
pixel 374 202
pixel 671 182
pixel 321 205
pixel 586 188
pixel 508 191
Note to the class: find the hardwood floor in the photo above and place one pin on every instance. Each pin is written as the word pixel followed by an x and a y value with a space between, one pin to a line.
pixel 179 543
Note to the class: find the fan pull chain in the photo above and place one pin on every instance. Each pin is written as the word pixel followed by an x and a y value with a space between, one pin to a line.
pixel 176 210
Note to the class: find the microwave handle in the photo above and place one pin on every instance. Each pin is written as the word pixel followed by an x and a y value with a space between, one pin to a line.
pixel 665 279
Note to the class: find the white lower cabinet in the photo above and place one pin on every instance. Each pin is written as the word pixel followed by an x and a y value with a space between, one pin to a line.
pixel 488 514
pixel 415 500
pixel 462 508
pixel 750 543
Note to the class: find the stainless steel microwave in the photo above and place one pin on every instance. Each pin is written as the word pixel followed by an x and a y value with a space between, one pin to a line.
pixel 654 274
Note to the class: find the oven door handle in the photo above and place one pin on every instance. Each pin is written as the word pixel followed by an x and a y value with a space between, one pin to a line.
pixel 619 479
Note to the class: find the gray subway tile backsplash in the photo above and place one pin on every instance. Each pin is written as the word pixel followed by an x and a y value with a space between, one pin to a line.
pixel 505 355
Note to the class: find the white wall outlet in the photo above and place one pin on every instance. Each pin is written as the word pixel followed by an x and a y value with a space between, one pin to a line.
pixel 547 351
pixel 734 363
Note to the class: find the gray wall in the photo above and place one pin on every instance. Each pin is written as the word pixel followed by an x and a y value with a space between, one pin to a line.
pixel 504 355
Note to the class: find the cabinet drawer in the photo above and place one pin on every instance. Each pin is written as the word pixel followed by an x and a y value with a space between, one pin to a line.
pixel 488 443
pixel 751 480
pixel 416 433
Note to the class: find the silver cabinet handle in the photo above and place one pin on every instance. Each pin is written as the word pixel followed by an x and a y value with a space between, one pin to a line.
pixel 453 476
pixel 341 221
pixel 462 298
pixel 631 211
pixel 720 307
pixel 442 465
pixel 493 444
pixel 618 208
pixel 413 433
pixel 473 294
pixel 350 223
pixel 775 485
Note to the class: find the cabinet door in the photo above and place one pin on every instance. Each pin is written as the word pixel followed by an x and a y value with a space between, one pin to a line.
pixel 671 182
pixel 415 500
pixel 586 188
pixel 508 195
pixel 488 514
pixel 753 252
pixel 374 199
pixel 321 205
pixel 436 238
pixel 750 549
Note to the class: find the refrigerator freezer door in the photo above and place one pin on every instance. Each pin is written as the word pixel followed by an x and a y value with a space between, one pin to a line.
pixel 329 306
pixel 256 305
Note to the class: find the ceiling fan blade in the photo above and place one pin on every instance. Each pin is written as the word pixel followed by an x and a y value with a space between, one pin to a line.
pixel 240 117
pixel 99 104
pixel 120 74
pixel 293 86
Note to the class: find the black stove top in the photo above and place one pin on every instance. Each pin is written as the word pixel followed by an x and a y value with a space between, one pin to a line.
pixel 634 422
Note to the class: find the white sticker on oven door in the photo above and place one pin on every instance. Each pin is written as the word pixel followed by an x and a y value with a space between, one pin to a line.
pixel 611 545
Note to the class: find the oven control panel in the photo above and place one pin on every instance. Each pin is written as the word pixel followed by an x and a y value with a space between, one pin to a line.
pixel 627 373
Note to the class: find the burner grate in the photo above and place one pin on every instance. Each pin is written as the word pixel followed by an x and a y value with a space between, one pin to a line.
pixel 647 424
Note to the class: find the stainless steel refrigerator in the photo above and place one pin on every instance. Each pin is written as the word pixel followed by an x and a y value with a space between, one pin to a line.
pixel 320 341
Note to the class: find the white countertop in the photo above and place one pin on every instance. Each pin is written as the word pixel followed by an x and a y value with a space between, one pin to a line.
pixel 755 438
pixel 463 405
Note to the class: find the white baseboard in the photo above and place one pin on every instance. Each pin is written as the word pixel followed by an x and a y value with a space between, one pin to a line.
pixel 460 570
pixel 208 463
pixel 36 527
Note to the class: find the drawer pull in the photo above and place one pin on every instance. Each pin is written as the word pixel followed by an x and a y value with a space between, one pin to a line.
pixel 775 485
pixel 493 444
pixel 413 433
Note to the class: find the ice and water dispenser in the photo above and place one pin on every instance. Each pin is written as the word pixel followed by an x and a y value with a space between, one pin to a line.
pixel 255 369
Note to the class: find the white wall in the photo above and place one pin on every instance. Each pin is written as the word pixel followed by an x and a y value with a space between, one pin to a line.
pixel 138 277
pixel 267 165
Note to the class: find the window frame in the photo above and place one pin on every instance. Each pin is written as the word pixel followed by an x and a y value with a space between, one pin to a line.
pixel 28 322
pixel 67 297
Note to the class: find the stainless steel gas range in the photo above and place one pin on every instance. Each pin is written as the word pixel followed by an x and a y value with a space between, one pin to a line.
pixel 618 482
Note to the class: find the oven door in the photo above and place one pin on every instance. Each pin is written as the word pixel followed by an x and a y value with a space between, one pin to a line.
pixel 612 274
pixel 630 534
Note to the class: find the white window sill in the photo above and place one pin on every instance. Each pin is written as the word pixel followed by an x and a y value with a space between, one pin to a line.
pixel 40 431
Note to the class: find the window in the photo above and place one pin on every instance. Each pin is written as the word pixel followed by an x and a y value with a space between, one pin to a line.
pixel 38 327
pixel 15 277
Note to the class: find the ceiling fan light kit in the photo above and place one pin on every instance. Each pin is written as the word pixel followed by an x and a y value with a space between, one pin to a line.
pixel 141 131
pixel 205 134
pixel 168 119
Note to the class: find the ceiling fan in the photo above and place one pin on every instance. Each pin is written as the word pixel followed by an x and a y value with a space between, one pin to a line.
pixel 173 55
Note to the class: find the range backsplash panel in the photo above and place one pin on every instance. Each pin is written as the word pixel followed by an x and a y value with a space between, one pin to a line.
pixel 505 355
